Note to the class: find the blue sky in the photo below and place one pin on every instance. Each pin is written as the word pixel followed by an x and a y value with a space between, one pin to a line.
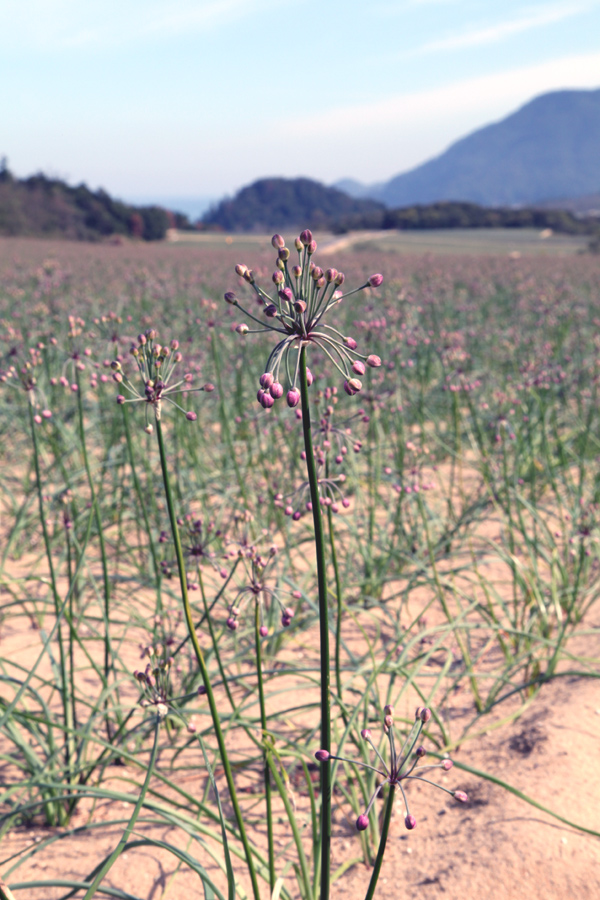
pixel 198 97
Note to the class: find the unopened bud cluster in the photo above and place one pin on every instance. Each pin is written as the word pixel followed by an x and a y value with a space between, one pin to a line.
pixel 156 365
pixel 304 294
pixel 402 762
pixel 154 680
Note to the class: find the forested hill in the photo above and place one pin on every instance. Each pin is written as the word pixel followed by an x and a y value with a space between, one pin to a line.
pixel 284 202
pixel 48 207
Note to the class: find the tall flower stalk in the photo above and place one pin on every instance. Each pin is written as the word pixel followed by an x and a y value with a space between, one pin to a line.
pixel 297 315
pixel 156 365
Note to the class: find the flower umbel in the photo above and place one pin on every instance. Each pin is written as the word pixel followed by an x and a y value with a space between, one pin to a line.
pixel 156 365
pixel 304 294
pixel 402 764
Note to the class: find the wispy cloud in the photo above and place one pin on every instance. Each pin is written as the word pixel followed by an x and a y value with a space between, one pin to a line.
pixel 501 30
pixel 412 126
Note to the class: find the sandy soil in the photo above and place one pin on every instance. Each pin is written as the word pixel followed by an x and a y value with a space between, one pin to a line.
pixel 496 846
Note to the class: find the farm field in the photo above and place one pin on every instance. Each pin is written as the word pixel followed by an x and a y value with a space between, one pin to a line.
pixel 459 487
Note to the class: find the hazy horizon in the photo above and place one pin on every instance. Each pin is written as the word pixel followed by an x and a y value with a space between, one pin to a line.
pixel 193 100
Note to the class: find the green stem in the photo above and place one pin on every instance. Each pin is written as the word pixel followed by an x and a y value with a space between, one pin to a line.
pixel 106 581
pixel 201 662
pixel 69 747
pixel 138 490
pixel 266 751
pixel 382 842
pixel 338 593
pixel 323 633
pixel 124 837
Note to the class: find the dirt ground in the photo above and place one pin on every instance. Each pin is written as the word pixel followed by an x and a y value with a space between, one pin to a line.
pixel 496 846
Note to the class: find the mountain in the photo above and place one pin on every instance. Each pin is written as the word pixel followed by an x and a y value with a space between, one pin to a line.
pixel 546 149
pixel 355 188
pixel 273 203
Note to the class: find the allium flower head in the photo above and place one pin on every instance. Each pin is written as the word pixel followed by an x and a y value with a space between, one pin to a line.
pixel 401 764
pixel 19 371
pixel 255 588
pixel 154 680
pixel 303 296
pixel 156 365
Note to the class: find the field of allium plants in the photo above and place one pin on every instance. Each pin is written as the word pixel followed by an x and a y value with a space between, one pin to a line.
pixel 280 543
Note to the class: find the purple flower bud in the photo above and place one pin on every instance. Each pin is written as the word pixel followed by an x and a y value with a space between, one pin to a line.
pixel 362 822
pixel 283 254
pixel 375 280
pixel 373 361
pixel 298 245
pixel 208 387
pixel 410 822
pixel 300 306
pixel 285 621
pixel 352 386
pixel 277 241
pixel 276 390
pixel 293 398
pixel 316 273
pixel 359 367
pixel 278 277
pixel 306 237
pixel 420 752
pixel 388 721
pixel 266 380
pixel 425 715
pixel 447 764
pixel 241 270
pixel 286 294
pixel 312 248
pixel 266 400
pixel 309 377
pixel 288 612
pixel 350 343
pixel 259 395
pixel 388 710
pixel 297 270
pixel 230 298
pixel 322 755
pixel 120 399
pixel 340 279
pixel 331 275
pixel 460 796
pixel 231 623
pixel 366 734
pixel 271 310
pixel 263 631
pixel 191 416
pixel 242 329
pixel 201 690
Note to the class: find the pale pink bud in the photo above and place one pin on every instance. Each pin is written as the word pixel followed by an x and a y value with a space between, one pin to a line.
pixel 375 280
pixel 352 386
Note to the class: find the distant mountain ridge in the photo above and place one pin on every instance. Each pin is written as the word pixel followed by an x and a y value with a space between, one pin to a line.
pixel 548 148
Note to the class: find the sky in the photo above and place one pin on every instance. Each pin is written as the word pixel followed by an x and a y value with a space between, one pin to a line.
pixel 197 98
